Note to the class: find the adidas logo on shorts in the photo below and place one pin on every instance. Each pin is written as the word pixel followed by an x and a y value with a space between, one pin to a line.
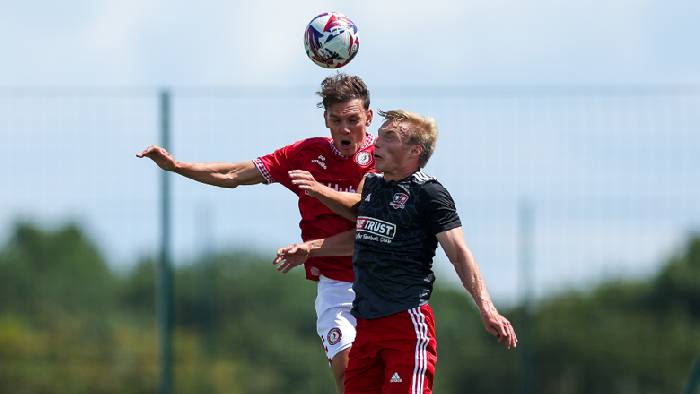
pixel 395 378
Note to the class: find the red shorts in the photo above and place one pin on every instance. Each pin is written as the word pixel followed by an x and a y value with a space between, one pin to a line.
pixel 393 354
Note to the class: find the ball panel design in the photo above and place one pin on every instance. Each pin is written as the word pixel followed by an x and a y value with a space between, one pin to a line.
pixel 331 40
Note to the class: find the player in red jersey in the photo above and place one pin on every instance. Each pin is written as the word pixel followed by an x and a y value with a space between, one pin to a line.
pixel 339 162
pixel 402 216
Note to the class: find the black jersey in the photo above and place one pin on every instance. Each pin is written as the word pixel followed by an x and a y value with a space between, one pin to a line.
pixel 397 223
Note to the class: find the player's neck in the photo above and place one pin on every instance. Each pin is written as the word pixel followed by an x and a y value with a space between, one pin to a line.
pixel 400 173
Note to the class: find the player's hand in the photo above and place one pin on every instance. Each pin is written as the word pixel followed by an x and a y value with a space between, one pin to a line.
pixel 291 256
pixel 306 182
pixel 160 156
pixel 499 327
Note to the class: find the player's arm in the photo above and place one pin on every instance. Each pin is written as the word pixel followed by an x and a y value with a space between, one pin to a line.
pixel 229 175
pixel 452 241
pixel 343 203
pixel 341 244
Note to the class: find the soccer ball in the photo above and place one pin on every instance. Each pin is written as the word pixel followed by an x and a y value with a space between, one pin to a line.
pixel 331 40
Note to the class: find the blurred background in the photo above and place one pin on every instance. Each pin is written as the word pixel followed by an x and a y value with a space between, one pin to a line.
pixel 569 139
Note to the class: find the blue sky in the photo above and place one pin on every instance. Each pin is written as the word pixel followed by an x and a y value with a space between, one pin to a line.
pixel 148 42
pixel 608 175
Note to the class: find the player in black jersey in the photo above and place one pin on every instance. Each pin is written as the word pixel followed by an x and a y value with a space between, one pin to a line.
pixel 401 216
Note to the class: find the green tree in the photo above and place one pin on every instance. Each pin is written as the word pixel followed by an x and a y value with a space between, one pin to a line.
pixel 68 324
pixel 43 273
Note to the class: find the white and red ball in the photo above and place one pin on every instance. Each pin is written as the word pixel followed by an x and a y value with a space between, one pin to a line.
pixel 331 40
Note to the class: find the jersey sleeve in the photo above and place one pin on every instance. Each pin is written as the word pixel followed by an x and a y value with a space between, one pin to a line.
pixel 274 166
pixel 440 211
pixel 369 179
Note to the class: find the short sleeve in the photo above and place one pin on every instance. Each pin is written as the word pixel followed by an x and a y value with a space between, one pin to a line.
pixel 275 166
pixel 369 179
pixel 439 208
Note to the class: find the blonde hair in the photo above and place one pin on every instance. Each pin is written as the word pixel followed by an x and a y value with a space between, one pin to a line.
pixel 423 131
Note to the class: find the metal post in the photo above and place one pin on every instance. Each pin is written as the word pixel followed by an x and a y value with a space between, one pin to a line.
pixel 691 386
pixel 525 329
pixel 164 286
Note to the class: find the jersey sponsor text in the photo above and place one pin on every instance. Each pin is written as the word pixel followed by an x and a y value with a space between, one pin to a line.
pixel 338 188
pixel 383 231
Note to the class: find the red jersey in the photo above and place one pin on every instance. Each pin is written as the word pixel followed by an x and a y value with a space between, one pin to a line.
pixel 324 161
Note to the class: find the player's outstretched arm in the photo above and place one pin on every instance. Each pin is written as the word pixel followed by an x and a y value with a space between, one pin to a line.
pixel 343 203
pixel 452 241
pixel 229 175
pixel 341 244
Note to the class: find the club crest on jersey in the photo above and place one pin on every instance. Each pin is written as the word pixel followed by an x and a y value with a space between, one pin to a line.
pixel 363 158
pixel 334 335
pixel 399 200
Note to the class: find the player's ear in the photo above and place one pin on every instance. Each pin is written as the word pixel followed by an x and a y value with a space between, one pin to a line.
pixel 416 150
pixel 325 119
pixel 370 114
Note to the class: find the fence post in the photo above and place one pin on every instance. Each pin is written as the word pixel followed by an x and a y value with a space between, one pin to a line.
pixel 526 271
pixel 691 387
pixel 164 286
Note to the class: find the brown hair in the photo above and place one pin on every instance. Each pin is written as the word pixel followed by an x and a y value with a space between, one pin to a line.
pixel 422 131
pixel 340 88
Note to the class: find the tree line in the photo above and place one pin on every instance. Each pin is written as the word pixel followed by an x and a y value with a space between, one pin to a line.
pixel 70 323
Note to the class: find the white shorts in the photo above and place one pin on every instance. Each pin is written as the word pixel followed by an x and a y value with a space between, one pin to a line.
pixel 334 323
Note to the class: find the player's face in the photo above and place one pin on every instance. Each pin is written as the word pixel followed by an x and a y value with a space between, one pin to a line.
pixel 392 155
pixel 348 122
